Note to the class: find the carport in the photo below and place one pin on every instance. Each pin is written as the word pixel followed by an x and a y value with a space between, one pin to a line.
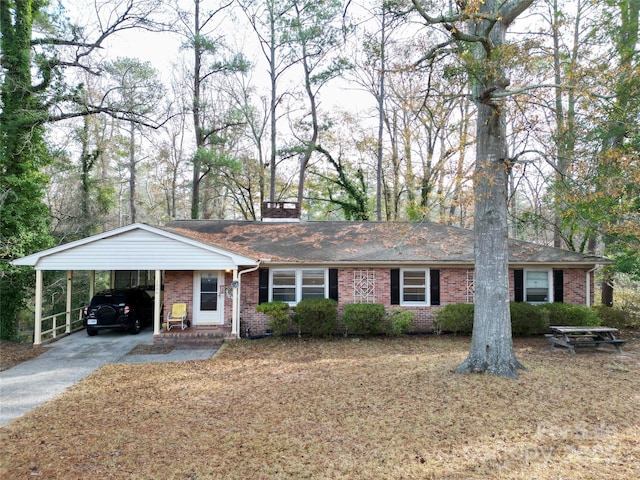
pixel 133 247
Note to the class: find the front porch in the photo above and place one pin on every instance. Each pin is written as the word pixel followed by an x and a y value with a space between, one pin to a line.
pixel 194 336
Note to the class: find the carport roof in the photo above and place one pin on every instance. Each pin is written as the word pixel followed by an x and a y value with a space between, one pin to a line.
pixel 135 247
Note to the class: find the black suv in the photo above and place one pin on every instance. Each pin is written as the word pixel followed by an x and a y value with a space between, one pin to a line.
pixel 128 309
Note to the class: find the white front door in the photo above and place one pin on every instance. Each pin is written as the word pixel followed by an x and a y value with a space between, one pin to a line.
pixel 208 302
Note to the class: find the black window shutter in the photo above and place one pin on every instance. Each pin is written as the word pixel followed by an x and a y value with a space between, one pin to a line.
pixel 558 286
pixel 518 285
pixel 434 286
pixel 263 285
pixel 333 284
pixel 395 286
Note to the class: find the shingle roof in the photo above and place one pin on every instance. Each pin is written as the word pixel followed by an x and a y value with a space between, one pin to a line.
pixel 360 242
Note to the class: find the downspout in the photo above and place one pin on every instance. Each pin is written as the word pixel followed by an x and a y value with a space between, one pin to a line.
pixel 239 291
pixel 157 303
pixel 588 285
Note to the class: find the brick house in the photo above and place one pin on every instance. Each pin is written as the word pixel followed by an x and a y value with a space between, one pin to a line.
pixel 223 269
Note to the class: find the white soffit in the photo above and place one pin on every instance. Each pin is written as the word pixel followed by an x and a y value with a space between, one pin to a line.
pixel 135 247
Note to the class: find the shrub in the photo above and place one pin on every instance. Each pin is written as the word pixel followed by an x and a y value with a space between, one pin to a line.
pixel 363 318
pixel 571 315
pixel 615 317
pixel 399 322
pixel 278 316
pixel 316 316
pixel 456 318
pixel 527 319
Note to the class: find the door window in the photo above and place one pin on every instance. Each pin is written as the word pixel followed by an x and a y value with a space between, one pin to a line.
pixel 209 291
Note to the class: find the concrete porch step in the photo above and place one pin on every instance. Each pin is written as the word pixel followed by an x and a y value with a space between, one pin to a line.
pixel 193 337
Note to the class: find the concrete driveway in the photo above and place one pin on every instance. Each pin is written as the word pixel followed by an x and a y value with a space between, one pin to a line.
pixel 72 358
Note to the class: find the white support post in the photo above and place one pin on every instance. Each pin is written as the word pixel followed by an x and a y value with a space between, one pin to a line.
pixel 157 303
pixel 92 283
pixel 69 291
pixel 235 301
pixel 37 328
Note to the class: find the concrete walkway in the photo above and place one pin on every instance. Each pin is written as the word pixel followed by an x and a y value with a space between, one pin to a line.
pixel 72 358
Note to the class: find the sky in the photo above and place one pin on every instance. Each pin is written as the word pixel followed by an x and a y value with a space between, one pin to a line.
pixel 162 50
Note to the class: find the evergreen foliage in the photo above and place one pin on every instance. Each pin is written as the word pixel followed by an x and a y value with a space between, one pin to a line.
pixel 455 318
pixel 616 317
pixel 528 319
pixel 567 314
pixel 399 322
pixel 316 316
pixel 363 318
pixel 25 221
pixel 278 315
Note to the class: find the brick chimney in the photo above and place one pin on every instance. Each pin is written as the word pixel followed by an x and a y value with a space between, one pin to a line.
pixel 280 212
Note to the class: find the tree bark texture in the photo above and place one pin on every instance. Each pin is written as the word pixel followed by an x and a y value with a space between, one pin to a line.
pixel 132 172
pixel 491 342
pixel 197 119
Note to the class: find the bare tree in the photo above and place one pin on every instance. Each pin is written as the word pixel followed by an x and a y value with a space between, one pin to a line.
pixel 315 30
pixel 266 18
pixel 487 22
pixel 200 28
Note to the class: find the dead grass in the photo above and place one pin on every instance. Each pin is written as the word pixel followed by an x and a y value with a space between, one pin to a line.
pixel 373 409
pixel 11 354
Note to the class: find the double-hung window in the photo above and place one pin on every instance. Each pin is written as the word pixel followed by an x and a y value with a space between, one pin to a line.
pixel 414 287
pixel 313 283
pixel 284 286
pixel 293 285
pixel 537 286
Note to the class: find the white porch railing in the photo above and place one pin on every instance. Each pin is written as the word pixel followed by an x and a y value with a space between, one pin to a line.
pixel 65 325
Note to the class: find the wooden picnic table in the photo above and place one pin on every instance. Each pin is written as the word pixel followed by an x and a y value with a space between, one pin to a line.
pixel 571 337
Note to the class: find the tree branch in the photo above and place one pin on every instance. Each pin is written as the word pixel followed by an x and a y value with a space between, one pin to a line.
pixel 511 9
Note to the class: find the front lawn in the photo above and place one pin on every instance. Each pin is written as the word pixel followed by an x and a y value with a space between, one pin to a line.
pixel 340 409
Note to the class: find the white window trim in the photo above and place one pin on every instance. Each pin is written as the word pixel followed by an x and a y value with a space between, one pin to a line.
pixel 298 281
pixel 549 273
pixel 427 286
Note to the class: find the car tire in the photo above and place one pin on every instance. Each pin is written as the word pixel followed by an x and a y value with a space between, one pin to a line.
pixel 91 332
pixel 136 327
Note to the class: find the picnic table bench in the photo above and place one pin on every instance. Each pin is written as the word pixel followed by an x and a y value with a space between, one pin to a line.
pixel 572 337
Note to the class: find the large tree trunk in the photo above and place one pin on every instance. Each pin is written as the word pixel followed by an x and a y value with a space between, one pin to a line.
pixel 622 115
pixel 273 76
pixel 196 112
pixel 491 342
pixel 381 94
pixel 132 172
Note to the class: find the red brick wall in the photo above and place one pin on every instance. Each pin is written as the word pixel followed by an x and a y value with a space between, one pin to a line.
pixel 178 288
pixel 453 289
pixel 575 289
pixel 249 318
pixel 257 322
pixel 453 285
